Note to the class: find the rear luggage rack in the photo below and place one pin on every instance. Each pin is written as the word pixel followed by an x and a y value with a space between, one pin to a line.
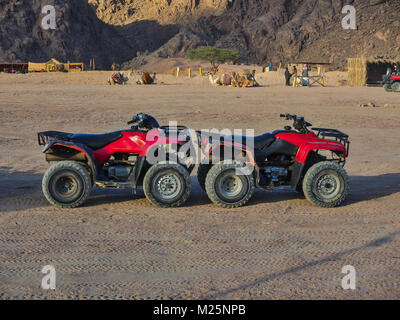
pixel 334 135
pixel 43 137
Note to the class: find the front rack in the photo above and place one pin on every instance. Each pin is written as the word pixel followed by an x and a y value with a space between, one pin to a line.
pixel 334 135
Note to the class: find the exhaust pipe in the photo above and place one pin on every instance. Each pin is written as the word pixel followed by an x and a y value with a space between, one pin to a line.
pixel 77 157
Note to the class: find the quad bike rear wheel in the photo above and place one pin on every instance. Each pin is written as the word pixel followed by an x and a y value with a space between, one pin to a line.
pixel 388 87
pixel 326 184
pixel 66 184
pixel 227 189
pixel 167 185
pixel 396 87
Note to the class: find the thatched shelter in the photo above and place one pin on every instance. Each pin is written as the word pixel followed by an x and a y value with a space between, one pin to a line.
pixel 55 65
pixel 363 71
pixel 51 65
pixel 14 67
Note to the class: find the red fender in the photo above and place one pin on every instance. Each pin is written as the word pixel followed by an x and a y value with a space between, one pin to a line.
pixel 309 142
pixel 305 149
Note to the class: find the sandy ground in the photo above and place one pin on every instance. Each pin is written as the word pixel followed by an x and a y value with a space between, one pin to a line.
pixel 119 246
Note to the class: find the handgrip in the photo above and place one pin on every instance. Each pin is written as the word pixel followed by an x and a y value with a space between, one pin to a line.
pixel 286 116
pixel 134 120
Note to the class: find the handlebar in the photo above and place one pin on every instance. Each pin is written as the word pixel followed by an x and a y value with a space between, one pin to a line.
pixel 288 116
pixel 144 121
pixel 134 120
pixel 298 122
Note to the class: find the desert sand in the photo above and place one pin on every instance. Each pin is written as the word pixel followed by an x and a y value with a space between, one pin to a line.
pixel 117 245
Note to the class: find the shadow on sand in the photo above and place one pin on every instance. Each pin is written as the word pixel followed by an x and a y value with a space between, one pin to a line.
pixel 362 188
pixel 375 243
pixel 15 182
pixel 28 183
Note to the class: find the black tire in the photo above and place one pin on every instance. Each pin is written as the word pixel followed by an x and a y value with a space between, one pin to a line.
pixel 326 184
pixel 387 87
pixel 396 87
pixel 160 177
pixel 219 193
pixel 66 184
pixel 202 174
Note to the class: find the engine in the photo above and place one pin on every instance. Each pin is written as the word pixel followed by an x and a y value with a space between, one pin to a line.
pixel 120 166
pixel 274 175
pixel 120 172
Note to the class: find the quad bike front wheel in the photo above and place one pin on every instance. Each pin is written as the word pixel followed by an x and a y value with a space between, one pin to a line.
pixel 167 185
pixel 66 184
pixel 226 188
pixel 396 87
pixel 326 184
pixel 388 87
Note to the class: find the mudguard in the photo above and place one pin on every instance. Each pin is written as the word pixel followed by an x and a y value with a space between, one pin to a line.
pixel 211 147
pixel 50 149
pixel 301 164
pixel 305 149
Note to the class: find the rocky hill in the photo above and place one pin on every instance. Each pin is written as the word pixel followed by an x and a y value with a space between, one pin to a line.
pixel 79 35
pixel 311 30
pixel 262 30
pixel 122 12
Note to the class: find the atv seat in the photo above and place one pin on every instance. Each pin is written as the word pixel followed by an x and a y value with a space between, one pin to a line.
pixel 264 141
pixel 96 141
pixel 260 142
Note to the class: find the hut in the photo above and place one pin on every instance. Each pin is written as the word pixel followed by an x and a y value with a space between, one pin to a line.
pixel 364 71
pixel 54 65
pixel 51 65
pixel 36 67
pixel 12 67
pixel 75 67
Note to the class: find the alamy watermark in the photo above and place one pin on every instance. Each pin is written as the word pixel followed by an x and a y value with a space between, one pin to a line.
pixel 208 146
pixel 349 280
pixel 49 20
pixel 49 280
pixel 350 20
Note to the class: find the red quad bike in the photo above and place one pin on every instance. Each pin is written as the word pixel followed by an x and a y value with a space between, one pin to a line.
pixel 114 160
pixel 310 162
pixel 391 83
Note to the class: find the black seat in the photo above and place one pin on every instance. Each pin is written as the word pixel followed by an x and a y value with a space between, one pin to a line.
pixel 96 141
pixel 260 142
pixel 264 141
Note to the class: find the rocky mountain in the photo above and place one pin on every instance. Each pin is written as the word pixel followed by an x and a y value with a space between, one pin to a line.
pixel 79 35
pixel 122 12
pixel 261 30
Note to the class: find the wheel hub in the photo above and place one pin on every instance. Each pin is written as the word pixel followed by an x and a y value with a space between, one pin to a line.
pixel 230 185
pixel 167 186
pixel 328 186
pixel 66 186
